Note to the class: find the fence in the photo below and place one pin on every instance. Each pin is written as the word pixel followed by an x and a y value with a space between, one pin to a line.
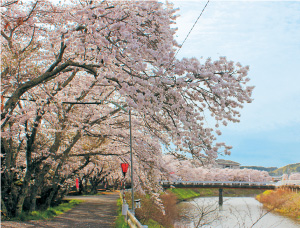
pixel 129 217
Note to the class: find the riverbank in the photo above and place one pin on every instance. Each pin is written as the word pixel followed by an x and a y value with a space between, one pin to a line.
pixel 281 201
pixel 235 212
pixel 149 213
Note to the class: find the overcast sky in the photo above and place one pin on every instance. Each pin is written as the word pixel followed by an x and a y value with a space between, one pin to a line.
pixel 266 36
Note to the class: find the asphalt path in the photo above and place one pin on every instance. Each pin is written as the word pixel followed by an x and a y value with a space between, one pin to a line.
pixel 98 211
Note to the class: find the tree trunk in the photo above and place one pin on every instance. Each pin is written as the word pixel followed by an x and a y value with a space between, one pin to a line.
pixel 3 208
pixel 49 198
pixel 20 203
pixel 23 194
pixel 33 194
pixel 94 185
pixel 35 188
pixel 81 187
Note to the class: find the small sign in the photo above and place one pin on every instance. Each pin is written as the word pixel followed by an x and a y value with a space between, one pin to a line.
pixel 124 209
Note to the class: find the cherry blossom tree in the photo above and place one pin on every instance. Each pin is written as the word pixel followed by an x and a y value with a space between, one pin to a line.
pixel 189 170
pixel 294 176
pixel 55 56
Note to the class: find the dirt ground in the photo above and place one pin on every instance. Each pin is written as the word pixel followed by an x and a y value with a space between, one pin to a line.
pixel 99 211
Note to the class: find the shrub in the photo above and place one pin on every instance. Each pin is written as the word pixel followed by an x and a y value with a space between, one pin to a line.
pixel 151 215
pixel 282 201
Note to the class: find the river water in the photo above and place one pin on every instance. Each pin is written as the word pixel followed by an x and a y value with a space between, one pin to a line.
pixel 236 212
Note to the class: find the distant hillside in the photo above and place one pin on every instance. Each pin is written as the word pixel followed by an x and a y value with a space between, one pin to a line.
pixel 261 168
pixel 292 168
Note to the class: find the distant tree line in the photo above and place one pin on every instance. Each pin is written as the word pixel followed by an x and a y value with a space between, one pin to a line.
pixel 261 168
pixel 288 169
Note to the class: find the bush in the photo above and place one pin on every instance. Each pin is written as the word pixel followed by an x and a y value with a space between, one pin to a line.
pixel 282 201
pixel 151 215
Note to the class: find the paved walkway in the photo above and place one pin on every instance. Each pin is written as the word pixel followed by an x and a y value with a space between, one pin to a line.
pixel 95 212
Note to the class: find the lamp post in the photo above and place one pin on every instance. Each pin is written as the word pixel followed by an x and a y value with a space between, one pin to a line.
pixel 131 159
pixel 130 136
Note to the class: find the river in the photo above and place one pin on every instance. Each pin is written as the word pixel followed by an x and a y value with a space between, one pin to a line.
pixel 236 212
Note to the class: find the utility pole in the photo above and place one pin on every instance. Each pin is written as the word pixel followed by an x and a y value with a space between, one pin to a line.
pixel 131 159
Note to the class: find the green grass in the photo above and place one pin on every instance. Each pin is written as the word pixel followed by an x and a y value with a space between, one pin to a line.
pixel 48 213
pixel 187 193
pixel 153 224
pixel 120 221
pixel 184 193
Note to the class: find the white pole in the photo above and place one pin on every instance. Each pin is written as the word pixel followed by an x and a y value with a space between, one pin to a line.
pixel 132 185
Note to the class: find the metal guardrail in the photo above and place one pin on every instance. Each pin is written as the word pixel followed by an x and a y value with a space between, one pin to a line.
pixel 133 222
pixel 129 217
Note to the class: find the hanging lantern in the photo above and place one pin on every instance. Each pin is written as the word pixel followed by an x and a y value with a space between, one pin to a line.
pixel 77 184
pixel 2 103
pixel 124 167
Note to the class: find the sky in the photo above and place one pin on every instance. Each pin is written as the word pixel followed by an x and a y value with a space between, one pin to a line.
pixel 266 36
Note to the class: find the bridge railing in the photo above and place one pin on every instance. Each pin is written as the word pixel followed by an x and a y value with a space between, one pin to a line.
pixel 218 183
pixel 288 182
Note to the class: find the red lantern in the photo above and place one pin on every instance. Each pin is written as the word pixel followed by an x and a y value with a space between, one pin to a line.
pixel 77 184
pixel 2 103
pixel 124 167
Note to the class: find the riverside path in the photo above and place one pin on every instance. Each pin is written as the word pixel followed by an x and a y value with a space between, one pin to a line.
pixel 97 211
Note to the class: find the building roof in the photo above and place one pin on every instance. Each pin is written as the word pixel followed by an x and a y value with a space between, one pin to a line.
pixel 226 162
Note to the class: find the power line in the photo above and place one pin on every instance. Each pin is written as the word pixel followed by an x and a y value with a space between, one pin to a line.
pixel 190 30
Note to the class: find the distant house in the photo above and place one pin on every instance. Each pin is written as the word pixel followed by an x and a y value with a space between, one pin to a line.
pixel 276 178
pixel 223 164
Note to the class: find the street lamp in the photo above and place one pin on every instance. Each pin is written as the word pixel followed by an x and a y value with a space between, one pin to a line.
pixel 131 159
pixel 130 135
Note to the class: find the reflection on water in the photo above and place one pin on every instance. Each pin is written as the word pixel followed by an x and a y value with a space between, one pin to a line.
pixel 237 212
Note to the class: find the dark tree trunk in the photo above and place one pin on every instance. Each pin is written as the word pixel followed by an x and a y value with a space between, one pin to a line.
pixel 37 185
pixel 23 194
pixel 49 198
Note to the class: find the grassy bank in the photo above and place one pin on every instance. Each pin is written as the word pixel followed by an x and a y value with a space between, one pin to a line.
pixel 45 214
pixel 282 201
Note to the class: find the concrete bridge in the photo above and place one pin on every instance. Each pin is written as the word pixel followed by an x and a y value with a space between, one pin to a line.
pixel 293 185
pixel 218 184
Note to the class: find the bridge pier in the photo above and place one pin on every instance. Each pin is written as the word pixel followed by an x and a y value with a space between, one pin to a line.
pixel 220 197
